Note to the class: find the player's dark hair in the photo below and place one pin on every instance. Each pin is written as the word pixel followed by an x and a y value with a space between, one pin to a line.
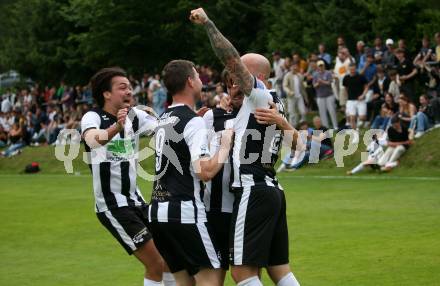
pixel 102 82
pixel 176 74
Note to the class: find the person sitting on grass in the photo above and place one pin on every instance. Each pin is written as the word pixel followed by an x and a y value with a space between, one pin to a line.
pixel 398 142
pixel 407 110
pixel 375 151
pixel 16 139
pixel 316 146
pixel 424 118
pixel 389 108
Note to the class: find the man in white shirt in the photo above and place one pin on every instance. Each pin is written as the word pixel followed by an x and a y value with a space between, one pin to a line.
pixel 295 91
pixel 343 60
pixel 6 104
pixel 278 68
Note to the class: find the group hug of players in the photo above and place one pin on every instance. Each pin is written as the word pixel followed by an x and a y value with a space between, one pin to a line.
pixel 216 201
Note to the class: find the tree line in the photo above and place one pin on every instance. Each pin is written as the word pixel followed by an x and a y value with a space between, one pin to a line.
pixel 50 40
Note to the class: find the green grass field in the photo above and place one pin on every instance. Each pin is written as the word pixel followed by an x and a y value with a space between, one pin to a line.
pixel 373 229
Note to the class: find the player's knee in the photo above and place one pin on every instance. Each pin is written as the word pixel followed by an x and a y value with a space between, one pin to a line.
pixel 240 273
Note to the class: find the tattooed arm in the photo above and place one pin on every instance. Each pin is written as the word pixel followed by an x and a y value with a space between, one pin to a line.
pixel 225 51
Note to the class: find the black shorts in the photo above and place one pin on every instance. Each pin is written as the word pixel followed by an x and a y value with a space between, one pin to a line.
pixel 220 225
pixel 259 235
pixel 185 246
pixel 128 225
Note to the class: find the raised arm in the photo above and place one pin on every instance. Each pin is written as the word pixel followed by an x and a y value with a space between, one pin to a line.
pixel 225 51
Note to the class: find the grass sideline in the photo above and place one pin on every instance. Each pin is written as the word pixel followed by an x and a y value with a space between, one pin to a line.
pixel 342 232
pixel 371 229
pixel 422 159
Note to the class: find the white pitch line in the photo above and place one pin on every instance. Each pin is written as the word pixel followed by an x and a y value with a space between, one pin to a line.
pixel 280 176
pixel 364 177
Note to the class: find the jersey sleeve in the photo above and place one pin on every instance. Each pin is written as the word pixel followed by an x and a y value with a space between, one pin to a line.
pixel 90 120
pixel 196 138
pixel 209 119
pixel 147 122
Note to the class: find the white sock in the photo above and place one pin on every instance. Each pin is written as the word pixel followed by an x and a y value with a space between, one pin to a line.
pixel 358 168
pixel 168 279
pixel 288 280
pixel 252 281
pixel 281 168
pixel 148 282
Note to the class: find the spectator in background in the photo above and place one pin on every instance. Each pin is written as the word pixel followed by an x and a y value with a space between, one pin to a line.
pixel 378 49
pixel 40 126
pixel 27 97
pixel 368 70
pixel 343 60
pixel 154 81
pixel 420 62
pixel 425 52
pixel 394 88
pixel 3 134
pixel 375 151
pixel 356 88
pixel 59 93
pixel 435 104
pixel 340 43
pixel 317 147
pixel 323 137
pixel 407 110
pixel 278 68
pixel 87 94
pixel 360 53
pixel 219 93
pixel 16 138
pixel 322 80
pixel 437 48
pixel 401 44
pixel 389 60
pixel 424 119
pixel 379 87
pixel 159 98
pixel 68 98
pixel 433 84
pixel 308 76
pixel 6 105
pixel 407 73
pixel 302 64
pixel 293 85
pixel 204 75
pixel 398 142
pixel 323 55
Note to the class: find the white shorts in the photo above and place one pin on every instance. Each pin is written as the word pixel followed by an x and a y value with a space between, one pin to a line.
pixel 356 107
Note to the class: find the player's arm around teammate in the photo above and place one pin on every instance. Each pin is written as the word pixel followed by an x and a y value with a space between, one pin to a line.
pixel 244 275
pixel 269 116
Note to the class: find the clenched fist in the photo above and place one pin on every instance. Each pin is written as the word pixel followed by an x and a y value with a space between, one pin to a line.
pixel 121 116
pixel 198 16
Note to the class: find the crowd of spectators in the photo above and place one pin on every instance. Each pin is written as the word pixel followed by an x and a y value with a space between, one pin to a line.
pixel 380 86
pixel 374 86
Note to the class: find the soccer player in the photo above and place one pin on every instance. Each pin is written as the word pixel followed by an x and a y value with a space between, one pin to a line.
pixel 177 213
pixel 260 237
pixel 111 142
pixel 217 197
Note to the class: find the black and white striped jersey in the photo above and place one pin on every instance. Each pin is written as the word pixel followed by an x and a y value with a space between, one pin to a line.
pixel 114 165
pixel 256 146
pixel 217 196
pixel 181 139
